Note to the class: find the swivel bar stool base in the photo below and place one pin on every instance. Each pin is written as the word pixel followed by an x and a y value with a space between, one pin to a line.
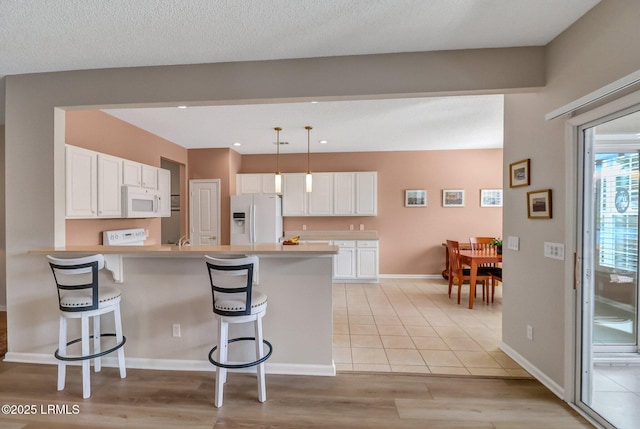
pixel 236 301
pixel 79 297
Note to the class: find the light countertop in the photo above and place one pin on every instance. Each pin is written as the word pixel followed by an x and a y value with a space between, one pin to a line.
pixel 173 250
pixel 333 235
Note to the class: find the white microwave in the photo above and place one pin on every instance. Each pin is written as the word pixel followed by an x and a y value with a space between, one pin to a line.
pixel 139 202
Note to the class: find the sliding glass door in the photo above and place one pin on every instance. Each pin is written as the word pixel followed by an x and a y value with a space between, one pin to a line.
pixel 609 360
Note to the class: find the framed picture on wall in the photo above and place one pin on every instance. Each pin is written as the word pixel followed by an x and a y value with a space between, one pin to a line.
pixel 453 198
pixel 539 204
pixel 490 197
pixel 519 173
pixel 415 198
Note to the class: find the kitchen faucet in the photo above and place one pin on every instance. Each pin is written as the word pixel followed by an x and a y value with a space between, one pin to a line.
pixel 183 241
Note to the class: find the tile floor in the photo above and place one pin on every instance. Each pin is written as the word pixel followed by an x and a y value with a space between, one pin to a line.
pixel 411 325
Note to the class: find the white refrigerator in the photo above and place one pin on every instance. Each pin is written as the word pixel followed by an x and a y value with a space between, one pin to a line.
pixel 256 218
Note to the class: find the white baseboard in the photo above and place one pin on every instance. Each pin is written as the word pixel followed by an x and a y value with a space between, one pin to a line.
pixel 410 276
pixel 178 364
pixel 533 370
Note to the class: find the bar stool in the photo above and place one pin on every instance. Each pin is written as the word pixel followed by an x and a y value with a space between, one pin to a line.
pixel 232 282
pixel 79 297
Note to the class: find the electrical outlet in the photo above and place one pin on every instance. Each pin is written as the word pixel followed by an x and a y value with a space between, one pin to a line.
pixel 176 329
pixel 304 227
pixel 554 250
pixel 350 227
pixel 362 227
pixel 530 332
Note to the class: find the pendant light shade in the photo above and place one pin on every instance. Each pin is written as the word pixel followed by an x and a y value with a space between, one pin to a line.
pixel 278 179
pixel 308 178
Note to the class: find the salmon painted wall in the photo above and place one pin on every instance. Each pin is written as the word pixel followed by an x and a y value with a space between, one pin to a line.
pixel 95 130
pixel 217 164
pixel 410 238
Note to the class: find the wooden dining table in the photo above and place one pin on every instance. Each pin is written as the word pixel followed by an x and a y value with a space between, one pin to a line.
pixel 475 258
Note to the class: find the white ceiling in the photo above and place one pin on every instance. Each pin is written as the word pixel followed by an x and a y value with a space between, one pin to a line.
pixel 43 36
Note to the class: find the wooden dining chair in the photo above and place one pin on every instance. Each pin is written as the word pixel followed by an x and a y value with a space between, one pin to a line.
pixel 484 243
pixel 481 243
pixel 496 276
pixel 459 274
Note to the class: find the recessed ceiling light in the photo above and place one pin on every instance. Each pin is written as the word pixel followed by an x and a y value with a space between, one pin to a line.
pixel 237 144
pixel 323 142
pixel 314 102
pixel 182 107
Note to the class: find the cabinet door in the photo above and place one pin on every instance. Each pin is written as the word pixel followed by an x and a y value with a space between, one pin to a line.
pixel 344 187
pixel 367 260
pixel 81 182
pixel 268 185
pixel 149 177
pixel 321 198
pixel 131 173
pixel 344 263
pixel 248 184
pixel 164 191
pixel 294 195
pixel 366 193
pixel 109 186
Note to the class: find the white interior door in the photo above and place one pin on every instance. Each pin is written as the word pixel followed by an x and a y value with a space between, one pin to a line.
pixel 204 212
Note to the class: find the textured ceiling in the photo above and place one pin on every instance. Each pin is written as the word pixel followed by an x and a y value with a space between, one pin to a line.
pixel 41 36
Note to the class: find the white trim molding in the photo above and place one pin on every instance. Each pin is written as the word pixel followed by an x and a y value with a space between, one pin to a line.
pixel 534 371
pixel 179 364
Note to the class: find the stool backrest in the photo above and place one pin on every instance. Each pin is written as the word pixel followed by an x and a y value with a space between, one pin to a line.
pixel 76 274
pixel 232 278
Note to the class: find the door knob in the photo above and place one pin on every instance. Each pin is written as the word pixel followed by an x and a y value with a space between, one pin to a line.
pixel 213 237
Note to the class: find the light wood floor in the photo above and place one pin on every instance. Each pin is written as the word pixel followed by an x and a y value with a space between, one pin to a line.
pixel 176 399
pixel 172 399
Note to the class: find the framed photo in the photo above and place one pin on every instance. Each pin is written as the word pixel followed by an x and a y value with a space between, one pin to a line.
pixel 415 198
pixel 175 203
pixel 519 173
pixel 453 198
pixel 490 197
pixel 539 204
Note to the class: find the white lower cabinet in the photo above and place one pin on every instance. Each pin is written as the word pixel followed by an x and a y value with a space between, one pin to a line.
pixel 356 261
pixel 344 263
pixel 367 259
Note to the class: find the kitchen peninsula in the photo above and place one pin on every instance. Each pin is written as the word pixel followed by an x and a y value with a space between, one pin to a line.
pixel 163 286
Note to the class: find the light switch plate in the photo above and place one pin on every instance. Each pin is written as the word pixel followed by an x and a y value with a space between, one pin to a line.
pixel 513 243
pixel 554 250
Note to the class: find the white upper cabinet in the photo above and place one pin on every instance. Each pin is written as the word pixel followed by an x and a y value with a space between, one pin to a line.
pixel 333 194
pixel 164 191
pixel 149 177
pixel 131 173
pixel 294 195
pixel 109 186
pixel 367 193
pixel 320 200
pixel 93 183
pixel 344 194
pixel 260 183
pixel 81 182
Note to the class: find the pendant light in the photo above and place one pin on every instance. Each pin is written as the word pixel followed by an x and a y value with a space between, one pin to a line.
pixel 308 178
pixel 278 175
